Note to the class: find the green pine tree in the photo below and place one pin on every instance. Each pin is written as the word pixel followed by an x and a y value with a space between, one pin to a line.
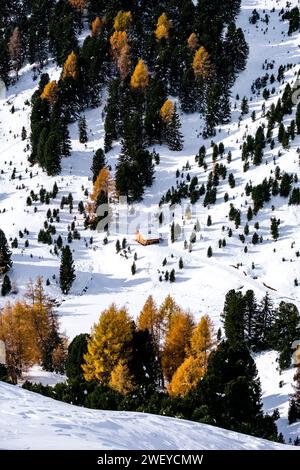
pixel 67 270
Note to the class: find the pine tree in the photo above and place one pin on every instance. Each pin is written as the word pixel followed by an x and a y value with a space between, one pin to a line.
pixel 180 263
pixel 67 270
pixel 82 127
pixel 274 228
pixel 5 254
pixel 172 134
pixel 209 252
pixel 133 268
pixel 6 285
pixel 263 324
pixel 172 276
pixel 99 162
pixel 234 318
pixel 76 351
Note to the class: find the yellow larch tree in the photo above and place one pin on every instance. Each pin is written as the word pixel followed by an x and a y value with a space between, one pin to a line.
pixel 121 380
pixel 70 66
pixel 78 4
pixel 121 52
pixel 17 333
pixel 203 339
pixel 202 66
pixel 163 27
pixel 166 310
pixel 122 21
pixel 140 77
pixel 96 26
pixel 193 42
pixel 51 92
pixel 108 345
pixel 187 376
pixel 104 183
pixel 150 320
pixel 167 111
pixel 177 342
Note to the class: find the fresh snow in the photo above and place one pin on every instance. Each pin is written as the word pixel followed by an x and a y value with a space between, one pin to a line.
pixel 31 421
pixel 102 275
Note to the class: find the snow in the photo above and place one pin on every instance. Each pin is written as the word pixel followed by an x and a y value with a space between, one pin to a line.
pixel 104 276
pixel 276 390
pixel 31 421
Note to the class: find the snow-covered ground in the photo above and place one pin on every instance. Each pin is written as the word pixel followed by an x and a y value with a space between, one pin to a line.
pixel 102 275
pixel 31 421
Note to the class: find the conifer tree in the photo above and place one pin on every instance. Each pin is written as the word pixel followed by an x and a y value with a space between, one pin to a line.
pixel 140 77
pixel 6 285
pixel 82 127
pixel 186 377
pixel 176 342
pixel 5 254
pixel 99 162
pixel 109 344
pixel 121 379
pixel 234 318
pixel 67 270
pixel 202 65
pixel 70 67
pixel 203 340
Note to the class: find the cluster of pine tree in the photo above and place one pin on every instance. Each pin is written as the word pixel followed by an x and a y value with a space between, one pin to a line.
pixel 261 326
pixel 144 52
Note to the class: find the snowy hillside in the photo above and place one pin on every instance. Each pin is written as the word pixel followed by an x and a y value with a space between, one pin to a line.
pixel 30 421
pixel 103 276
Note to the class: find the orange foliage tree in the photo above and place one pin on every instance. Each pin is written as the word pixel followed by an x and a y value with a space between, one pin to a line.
pixel 51 92
pixel 70 66
pixel 122 21
pixel 187 376
pixel 177 342
pixel 202 66
pixel 121 380
pixel 78 4
pixel 104 183
pixel 96 26
pixel 108 345
pixel 121 52
pixel 140 77
pixel 203 339
pixel 167 111
pixel 163 27
pixel 192 41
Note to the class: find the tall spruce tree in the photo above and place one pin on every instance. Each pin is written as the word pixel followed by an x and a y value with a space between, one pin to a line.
pixel 99 162
pixel 234 318
pixel 5 254
pixel 67 270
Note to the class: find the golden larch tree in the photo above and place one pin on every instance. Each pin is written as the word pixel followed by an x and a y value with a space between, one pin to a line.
pixel 104 183
pixel 17 333
pixel 51 92
pixel 78 5
pixel 109 344
pixel 15 49
pixel 193 42
pixel 140 77
pixel 177 342
pixel 186 377
pixel 202 66
pixel 70 66
pixel 122 21
pixel 149 319
pixel 121 379
pixel 203 339
pixel 166 310
pixel 163 27
pixel 121 52
pixel 96 26
pixel 167 111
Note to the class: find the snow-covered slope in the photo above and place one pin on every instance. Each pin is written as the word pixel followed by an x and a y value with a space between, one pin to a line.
pixel 102 275
pixel 31 421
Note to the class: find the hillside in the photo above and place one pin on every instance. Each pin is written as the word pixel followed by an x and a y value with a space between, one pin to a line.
pixel 30 421
pixel 104 276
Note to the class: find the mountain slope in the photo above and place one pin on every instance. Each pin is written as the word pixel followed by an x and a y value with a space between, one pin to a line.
pixel 31 421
